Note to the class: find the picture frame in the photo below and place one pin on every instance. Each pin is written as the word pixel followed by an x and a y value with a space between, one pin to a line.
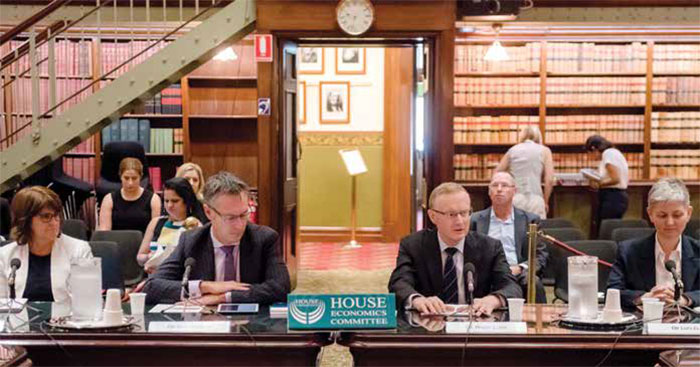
pixel 334 102
pixel 311 60
pixel 301 101
pixel 350 60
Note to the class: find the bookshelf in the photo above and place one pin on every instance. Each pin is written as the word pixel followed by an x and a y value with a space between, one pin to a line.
pixel 643 96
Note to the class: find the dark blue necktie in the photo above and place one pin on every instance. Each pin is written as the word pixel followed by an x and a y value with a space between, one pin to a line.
pixel 230 263
pixel 449 278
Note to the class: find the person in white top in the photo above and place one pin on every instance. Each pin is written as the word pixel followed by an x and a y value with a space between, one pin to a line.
pixel 614 178
pixel 531 164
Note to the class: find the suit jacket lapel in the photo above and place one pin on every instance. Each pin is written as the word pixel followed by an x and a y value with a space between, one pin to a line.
pixel 206 258
pixel 472 255
pixel 520 233
pixel 647 264
pixel 484 222
pixel 689 264
pixel 433 260
pixel 245 256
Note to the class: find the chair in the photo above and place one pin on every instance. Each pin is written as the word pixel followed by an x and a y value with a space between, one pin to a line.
pixel 73 192
pixel 623 234
pixel 697 234
pixel 692 229
pixel 108 251
pixel 556 223
pixel 112 155
pixel 128 242
pixel 565 234
pixel 608 225
pixel 5 218
pixel 75 228
pixel 604 250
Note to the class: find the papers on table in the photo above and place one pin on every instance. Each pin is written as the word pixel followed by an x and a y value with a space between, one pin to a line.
pixel 591 174
pixel 170 308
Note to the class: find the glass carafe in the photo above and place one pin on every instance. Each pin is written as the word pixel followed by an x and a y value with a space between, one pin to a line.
pixel 86 288
pixel 583 287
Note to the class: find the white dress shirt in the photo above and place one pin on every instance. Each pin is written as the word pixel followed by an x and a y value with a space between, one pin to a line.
pixel 219 265
pixel 504 231
pixel 664 276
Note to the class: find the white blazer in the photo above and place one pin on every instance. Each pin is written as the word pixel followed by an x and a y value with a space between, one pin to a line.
pixel 64 250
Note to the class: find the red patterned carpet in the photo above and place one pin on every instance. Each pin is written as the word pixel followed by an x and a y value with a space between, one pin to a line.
pixel 330 256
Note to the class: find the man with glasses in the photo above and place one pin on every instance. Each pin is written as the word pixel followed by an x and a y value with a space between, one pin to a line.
pixel 509 225
pixel 430 266
pixel 236 261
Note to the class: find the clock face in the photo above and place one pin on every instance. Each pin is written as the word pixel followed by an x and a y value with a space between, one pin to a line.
pixel 355 16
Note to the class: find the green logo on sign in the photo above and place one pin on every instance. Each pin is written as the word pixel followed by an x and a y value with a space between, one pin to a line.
pixel 352 311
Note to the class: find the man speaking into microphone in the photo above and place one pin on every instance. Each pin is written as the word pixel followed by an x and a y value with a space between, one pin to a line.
pixel 230 260
pixel 645 266
pixel 430 267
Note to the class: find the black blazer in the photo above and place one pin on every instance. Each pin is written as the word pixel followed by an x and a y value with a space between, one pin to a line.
pixel 419 267
pixel 634 271
pixel 261 266
pixel 481 220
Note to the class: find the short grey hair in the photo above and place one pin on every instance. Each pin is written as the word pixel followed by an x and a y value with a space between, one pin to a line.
pixel 444 189
pixel 224 183
pixel 669 189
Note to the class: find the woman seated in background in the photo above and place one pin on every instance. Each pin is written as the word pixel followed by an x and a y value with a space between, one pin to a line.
pixel 192 172
pixel 184 211
pixel 131 207
pixel 614 178
pixel 45 254
pixel 531 164
pixel 639 270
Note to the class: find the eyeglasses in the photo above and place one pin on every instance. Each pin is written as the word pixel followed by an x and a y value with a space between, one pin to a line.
pixel 232 218
pixel 48 216
pixel 500 185
pixel 454 215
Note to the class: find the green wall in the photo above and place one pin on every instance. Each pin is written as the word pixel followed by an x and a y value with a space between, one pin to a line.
pixel 324 184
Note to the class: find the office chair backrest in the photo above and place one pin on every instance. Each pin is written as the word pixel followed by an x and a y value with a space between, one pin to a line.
pixel 624 234
pixel 75 228
pixel 608 225
pixel 565 234
pixel 129 242
pixel 604 250
pixel 692 229
pixel 556 223
pixel 113 154
pixel 108 251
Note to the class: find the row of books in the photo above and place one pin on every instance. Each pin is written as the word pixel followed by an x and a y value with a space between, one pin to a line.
pixel 167 102
pixel 480 167
pixel 676 90
pixel 675 127
pixel 596 91
pixel 153 140
pixel 521 59
pixel 490 129
pixel 677 58
pixel 72 59
pixel 166 141
pixel 115 52
pixel 496 91
pixel 683 164
pixel 576 129
pixel 22 96
pixel 82 168
pixel 584 57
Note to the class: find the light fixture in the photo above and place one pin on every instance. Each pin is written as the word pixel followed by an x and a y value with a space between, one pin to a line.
pixel 226 55
pixel 496 52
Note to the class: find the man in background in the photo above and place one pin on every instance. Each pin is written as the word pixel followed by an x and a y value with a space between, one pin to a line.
pixel 509 225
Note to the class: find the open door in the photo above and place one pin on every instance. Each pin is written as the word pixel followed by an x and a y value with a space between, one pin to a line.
pixel 289 155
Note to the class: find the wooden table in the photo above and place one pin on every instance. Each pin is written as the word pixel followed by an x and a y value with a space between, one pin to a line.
pixel 545 344
pixel 253 340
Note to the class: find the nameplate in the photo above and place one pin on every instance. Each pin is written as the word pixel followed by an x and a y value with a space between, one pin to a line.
pixel 461 327
pixel 341 311
pixel 189 327
pixel 672 329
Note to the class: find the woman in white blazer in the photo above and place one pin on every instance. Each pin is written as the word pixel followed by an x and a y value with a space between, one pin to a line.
pixel 44 252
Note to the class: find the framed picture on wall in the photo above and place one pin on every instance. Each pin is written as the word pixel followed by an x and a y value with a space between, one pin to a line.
pixel 301 101
pixel 310 60
pixel 334 102
pixel 350 60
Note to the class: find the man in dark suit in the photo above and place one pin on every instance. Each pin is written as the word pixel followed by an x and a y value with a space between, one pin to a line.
pixel 430 265
pixel 509 225
pixel 639 270
pixel 236 261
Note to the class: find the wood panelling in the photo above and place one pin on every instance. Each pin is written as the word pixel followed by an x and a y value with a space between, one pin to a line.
pixel 405 15
pixel 396 185
pixel 340 234
pixel 223 101
pixel 243 66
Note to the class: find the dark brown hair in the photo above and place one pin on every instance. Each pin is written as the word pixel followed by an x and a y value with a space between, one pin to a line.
pixel 26 204
pixel 130 163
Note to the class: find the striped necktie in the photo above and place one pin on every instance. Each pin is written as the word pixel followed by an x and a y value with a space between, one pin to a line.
pixel 230 262
pixel 449 278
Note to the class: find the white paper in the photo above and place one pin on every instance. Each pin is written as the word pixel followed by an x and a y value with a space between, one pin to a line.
pixel 477 327
pixel 591 174
pixel 170 308
pixel 673 329
pixel 161 254
pixel 353 161
pixel 189 327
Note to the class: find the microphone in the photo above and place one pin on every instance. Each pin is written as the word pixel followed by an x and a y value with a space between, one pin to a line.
pixel 678 289
pixel 189 263
pixel 469 271
pixel 14 265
